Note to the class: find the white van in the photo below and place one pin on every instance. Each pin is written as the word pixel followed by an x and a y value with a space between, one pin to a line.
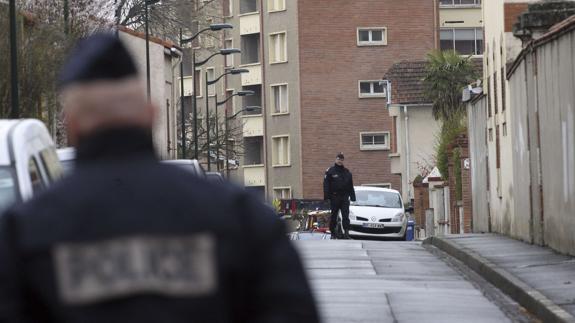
pixel 28 160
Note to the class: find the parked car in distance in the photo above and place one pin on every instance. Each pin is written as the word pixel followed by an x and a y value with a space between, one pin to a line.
pixel 215 177
pixel 67 156
pixel 191 165
pixel 28 160
pixel 377 212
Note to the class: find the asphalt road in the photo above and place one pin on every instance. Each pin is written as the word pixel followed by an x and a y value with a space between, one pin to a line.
pixel 388 281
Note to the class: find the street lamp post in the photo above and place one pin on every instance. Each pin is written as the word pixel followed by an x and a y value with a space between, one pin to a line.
pixel 146 4
pixel 15 110
pixel 233 71
pixel 224 52
pixel 212 27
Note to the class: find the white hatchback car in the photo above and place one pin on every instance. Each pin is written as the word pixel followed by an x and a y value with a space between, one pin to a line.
pixel 28 160
pixel 377 212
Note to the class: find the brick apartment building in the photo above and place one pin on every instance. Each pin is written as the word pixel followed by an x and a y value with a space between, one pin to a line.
pixel 316 67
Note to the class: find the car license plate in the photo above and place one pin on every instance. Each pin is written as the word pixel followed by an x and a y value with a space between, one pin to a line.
pixel 373 225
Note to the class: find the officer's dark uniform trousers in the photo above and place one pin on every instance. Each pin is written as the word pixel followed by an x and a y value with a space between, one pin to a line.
pixel 338 188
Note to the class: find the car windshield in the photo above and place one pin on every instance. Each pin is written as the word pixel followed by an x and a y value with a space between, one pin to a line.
pixel 378 198
pixel 8 194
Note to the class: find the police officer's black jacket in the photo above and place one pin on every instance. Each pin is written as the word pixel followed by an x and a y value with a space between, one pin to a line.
pixel 127 239
pixel 338 181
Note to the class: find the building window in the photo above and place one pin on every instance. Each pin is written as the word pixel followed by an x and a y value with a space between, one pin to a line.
pixel 276 5
pixel 282 193
pixel 490 134
pixel 505 129
pixel 374 140
pixel 230 105
pixel 457 3
pixel 250 48
pixel 248 6
pixel 253 151
pixel 373 89
pixel 466 41
pixel 230 7
pixel 278 48
pixel 279 99
pixel 228 43
pixel 211 74
pixel 199 83
pixel 280 151
pixel 375 36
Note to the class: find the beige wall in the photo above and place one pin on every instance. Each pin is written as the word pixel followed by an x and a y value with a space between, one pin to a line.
pixel 283 73
pixel 420 141
pixel 161 81
pixel 465 17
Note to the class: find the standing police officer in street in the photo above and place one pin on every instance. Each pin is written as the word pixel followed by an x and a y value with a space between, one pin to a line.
pixel 125 238
pixel 338 188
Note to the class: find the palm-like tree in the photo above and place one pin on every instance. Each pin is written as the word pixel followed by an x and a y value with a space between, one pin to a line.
pixel 447 74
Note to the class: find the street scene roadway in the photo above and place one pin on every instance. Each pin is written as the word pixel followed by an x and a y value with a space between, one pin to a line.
pixel 389 281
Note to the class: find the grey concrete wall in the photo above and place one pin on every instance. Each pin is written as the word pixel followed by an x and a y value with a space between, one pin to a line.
pixel 544 82
pixel 477 120
pixel 288 124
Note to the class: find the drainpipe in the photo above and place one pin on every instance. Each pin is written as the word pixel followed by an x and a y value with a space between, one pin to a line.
pixel 407 161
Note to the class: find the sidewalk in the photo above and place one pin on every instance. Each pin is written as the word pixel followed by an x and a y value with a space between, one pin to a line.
pixel 538 278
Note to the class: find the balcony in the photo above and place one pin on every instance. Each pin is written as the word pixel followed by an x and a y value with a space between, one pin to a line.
pixel 253 126
pixel 254 77
pixel 254 175
pixel 250 23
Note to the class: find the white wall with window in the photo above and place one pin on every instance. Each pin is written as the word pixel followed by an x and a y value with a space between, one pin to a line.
pixel 374 140
pixel 466 41
pixel 371 36
pixel 278 48
pixel 280 151
pixel 229 43
pixel 282 193
pixel 372 89
pixel 211 71
pixel 276 5
pixel 279 99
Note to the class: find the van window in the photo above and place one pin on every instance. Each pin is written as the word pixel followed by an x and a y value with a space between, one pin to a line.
pixel 35 176
pixel 8 194
pixel 51 164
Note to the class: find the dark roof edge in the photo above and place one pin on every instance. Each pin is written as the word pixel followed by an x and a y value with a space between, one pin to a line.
pixel 554 32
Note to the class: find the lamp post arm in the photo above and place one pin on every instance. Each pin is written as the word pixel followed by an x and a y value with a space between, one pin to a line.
pixel 219 78
pixel 191 39
pixel 227 99
pixel 206 60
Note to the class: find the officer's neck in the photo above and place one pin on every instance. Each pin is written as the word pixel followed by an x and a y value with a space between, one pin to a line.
pixel 116 143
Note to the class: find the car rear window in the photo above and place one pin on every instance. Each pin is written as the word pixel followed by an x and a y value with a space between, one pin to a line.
pixel 8 192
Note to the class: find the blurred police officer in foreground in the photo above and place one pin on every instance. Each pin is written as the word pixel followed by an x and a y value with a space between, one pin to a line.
pixel 338 188
pixel 127 239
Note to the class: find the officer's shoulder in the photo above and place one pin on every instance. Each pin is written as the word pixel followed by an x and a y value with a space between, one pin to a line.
pixel 329 169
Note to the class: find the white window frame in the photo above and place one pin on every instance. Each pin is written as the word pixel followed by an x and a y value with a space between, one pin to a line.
pixel 273 47
pixel 383 42
pixel 274 148
pixel 229 58
pixel 453 29
pixel 281 3
pixel 272 99
pixel 283 188
pixel 477 4
pixel 382 185
pixel 374 147
pixel 230 8
pixel 372 94
pixel 211 88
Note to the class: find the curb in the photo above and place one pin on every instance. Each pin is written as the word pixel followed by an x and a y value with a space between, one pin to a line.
pixel 527 296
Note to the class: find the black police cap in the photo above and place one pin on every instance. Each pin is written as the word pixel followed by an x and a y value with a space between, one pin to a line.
pixel 101 56
pixel 340 156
